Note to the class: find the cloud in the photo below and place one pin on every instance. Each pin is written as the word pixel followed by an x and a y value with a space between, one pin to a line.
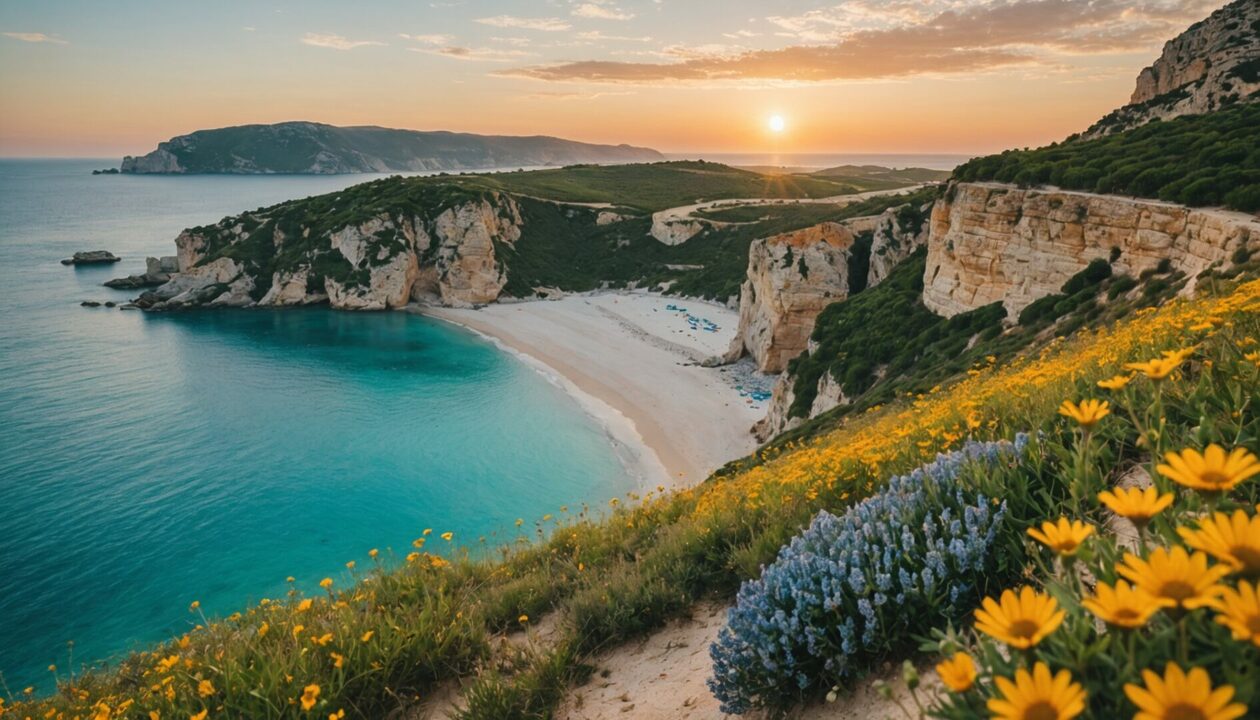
pixel 336 42
pixel 877 39
pixel 575 95
pixel 474 54
pixel 509 21
pixel 430 39
pixel 249 28
pixel 601 11
pixel 595 36
pixel 36 37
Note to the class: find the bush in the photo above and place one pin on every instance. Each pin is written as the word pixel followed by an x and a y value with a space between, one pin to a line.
pixel 852 589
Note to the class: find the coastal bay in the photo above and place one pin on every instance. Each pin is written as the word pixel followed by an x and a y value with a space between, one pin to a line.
pixel 640 363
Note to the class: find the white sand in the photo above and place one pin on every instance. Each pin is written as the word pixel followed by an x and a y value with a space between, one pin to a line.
pixel 632 364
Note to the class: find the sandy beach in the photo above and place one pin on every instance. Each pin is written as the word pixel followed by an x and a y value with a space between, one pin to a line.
pixel 633 363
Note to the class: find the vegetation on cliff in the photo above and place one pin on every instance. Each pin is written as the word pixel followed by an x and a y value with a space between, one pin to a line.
pixel 883 343
pixel 1198 160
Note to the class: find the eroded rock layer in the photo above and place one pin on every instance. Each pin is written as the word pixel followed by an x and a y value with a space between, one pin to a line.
pixel 995 243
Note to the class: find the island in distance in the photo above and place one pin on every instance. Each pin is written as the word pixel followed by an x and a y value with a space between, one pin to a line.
pixel 316 148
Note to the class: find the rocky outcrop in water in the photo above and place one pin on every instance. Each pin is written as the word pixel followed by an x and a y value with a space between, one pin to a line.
pixel 996 243
pixel 444 251
pixel 1213 64
pixel 791 278
pixel 92 257
pixel 156 272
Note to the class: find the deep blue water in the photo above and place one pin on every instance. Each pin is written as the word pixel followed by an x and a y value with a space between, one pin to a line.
pixel 147 461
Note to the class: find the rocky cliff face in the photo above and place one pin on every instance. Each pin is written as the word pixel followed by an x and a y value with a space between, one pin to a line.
pixel 1216 62
pixel 995 243
pixel 381 262
pixel 896 233
pixel 791 278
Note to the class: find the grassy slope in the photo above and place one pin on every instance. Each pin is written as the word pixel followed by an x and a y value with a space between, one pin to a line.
pixel 654 186
pixel 1198 160
pixel 562 247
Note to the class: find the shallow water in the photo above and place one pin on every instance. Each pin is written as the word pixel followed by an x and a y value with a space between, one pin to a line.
pixel 147 461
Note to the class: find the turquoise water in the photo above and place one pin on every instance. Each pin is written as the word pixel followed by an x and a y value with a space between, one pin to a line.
pixel 147 461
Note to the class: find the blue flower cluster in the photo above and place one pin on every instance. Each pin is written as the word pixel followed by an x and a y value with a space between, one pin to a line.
pixel 850 588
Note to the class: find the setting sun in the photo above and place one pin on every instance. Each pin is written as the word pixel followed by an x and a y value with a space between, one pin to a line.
pixel 777 124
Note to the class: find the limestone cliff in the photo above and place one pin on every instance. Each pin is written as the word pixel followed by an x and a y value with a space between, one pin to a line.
pixel 443 250
pixel 1215 63
pixel 791 278
pixel 896 233
pixel 995 243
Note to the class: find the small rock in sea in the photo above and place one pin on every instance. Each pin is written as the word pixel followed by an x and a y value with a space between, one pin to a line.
pixel 91 257
pixel 110 303
pixel 90 303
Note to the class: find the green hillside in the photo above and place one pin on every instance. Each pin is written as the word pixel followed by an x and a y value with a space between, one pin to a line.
pixel 1197 160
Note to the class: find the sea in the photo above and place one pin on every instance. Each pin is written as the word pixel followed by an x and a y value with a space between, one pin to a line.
pixel 807 162
pixel 151 460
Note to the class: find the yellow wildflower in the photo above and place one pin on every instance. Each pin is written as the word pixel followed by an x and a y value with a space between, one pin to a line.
pixel 1212 471
pixel 957 672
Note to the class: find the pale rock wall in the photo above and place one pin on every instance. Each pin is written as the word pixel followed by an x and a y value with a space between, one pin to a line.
pixel 450 257
pixel 791 278
pixel 890 245
pixel 995 243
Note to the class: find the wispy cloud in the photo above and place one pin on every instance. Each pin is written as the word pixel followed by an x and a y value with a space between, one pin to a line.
pixel 429 39
pixel 601 11
pixel 597 36
pixel 474 54
pixel 576 95
pixel 36 37
pixel 511 21
pixel 336 42
pixel 897 38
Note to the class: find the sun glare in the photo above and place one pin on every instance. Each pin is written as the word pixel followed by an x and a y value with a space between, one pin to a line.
pixel 777 124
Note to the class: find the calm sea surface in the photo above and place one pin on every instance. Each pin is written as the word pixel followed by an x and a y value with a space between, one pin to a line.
pixel 147 461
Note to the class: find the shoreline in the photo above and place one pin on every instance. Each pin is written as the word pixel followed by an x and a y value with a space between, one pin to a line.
pixel 632 365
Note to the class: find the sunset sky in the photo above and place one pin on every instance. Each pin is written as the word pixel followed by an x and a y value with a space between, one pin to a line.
pixel 93 78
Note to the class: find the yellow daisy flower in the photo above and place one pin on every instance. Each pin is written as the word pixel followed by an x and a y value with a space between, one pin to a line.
pixel 1232 539
pixel 1088 413
pixel 1176 575
pixel 1137 504
pixel 1115 383
pixel 1037 696
pixel 957 672
pixel 1156 369
pixel 1179 694
pixel 1212 471
pixel 1064 537
pixel 1240 612
pixel 1124 606
pixel 310 694
pixel 1020 620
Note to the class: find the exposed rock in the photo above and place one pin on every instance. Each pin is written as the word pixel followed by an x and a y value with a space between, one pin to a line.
pixel 791 278
pixel 90 303
pixel 607 217
pixel 157 271
pixel 468 271
pixel 996 243
pixel 1215 63
pixel 676 231
pixel 892 242
pixel 378 263
pixel 198 286
pixel 91 257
